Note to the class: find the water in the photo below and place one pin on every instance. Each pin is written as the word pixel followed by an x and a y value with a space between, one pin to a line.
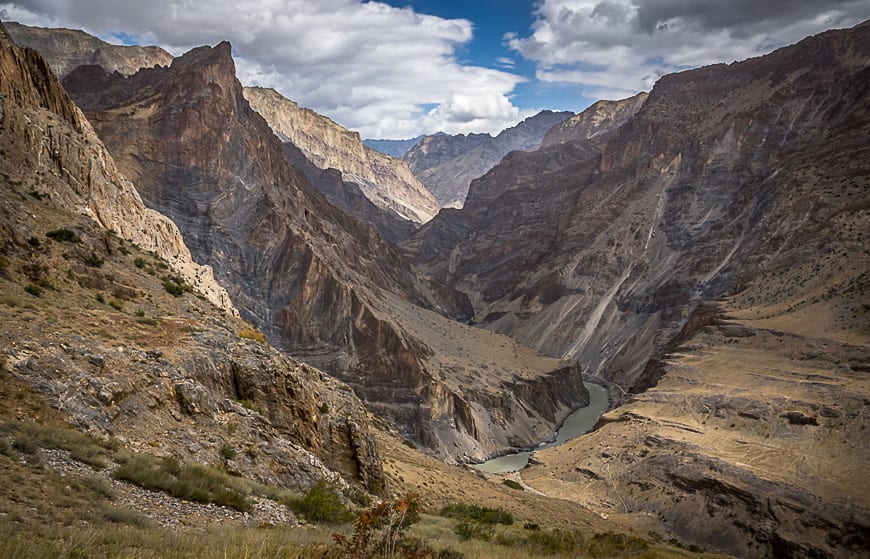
pixel 579 422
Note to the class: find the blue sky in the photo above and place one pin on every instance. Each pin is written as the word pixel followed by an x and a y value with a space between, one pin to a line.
pixel 399 68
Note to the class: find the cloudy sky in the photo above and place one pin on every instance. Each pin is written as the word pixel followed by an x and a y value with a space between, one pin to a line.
pixel 399 68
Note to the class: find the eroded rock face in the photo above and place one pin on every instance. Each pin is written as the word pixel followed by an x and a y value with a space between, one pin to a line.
pixel 446 165
pixel 323 285
pixel 67 49
pixel 386 181
pixel 600 118
pixel 46 134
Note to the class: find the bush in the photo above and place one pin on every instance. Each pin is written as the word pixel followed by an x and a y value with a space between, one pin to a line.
pixel 34 242
pixel 486 515
pixel 380 532
pixel 93 261
pixel 472 530
pixel 251 334
pixel 173 286
pixel 116 304
pixel 33 289
pixel 513 484
pixel 148 321
pixel 100 298
pixel 63 235
pixel 139 262
pixel 227 452
pixel 322 503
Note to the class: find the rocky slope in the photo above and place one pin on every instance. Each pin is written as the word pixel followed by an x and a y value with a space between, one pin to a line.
pixel 386 181
pixel 98 324
pixel 611 250
pixel 95 187
pixel 321 284
pixel 598 119
pixel 446 165
pixel 67 49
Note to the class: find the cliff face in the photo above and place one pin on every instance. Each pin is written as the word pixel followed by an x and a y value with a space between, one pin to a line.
pixel 600 118
pixel 446 165
pixel 323 285
pixel 170 378
pixel 42 144
pixel 386 181
pixel 67 49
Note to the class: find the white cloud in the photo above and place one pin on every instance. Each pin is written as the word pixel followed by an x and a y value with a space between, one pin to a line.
pixel 369 66
pixel 619 47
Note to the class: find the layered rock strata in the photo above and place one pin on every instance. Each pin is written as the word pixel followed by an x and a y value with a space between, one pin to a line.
pixel 386 181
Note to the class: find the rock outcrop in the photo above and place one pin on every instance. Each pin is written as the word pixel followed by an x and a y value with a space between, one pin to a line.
pixel 598 119
pixel 67 49
pixel 177 377
pixel 386 181
pixel 49 136
pixel 446 165
pixel 321 284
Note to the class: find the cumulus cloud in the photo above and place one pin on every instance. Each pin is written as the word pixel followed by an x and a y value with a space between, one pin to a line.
pixel 370 66
pixel 614 48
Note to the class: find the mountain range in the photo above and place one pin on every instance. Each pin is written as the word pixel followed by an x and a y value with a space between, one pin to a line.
pixel 700 250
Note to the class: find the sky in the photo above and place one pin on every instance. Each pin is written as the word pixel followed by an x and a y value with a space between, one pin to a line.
pixel 399 68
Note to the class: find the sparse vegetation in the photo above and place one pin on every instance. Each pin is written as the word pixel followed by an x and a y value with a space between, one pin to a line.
pixel 116 304
pixel 513 484
pixel 380 532
pixel 195 482
pixel 485 515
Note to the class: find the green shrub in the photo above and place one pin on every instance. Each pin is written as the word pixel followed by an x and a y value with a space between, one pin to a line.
pixel 63 235
pixel 139 262
pixel 175 286
pixel 227 452
pixel 139 313
pixel 324 408
pixel 116 304
pixel 513 484
pixel 148 321
pixel 322 503
pixel 100 298
pixel 93 261
pixel 33 289
pixel 473 530
pixel 485 515
pixel 34 242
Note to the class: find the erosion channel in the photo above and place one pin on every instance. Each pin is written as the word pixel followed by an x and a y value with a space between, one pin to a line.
pixel 579 422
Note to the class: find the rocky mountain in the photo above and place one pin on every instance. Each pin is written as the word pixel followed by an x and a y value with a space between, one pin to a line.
pixel 102 319
pixel 598 119
pixel 321 284
pixel 393 148
pixel 386 181
pixel 446 165
pixel 67 49
pixel 742 187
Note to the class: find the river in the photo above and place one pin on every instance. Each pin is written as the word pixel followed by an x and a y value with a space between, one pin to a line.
pixel 579 422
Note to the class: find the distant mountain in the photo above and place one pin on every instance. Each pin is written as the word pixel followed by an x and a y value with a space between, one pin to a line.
pixel 446 165
pixel 601 117
pixel 393 148
pixel 386 181
pixel 66 49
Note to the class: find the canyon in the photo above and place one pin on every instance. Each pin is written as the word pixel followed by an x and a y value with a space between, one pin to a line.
pixel 699 250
